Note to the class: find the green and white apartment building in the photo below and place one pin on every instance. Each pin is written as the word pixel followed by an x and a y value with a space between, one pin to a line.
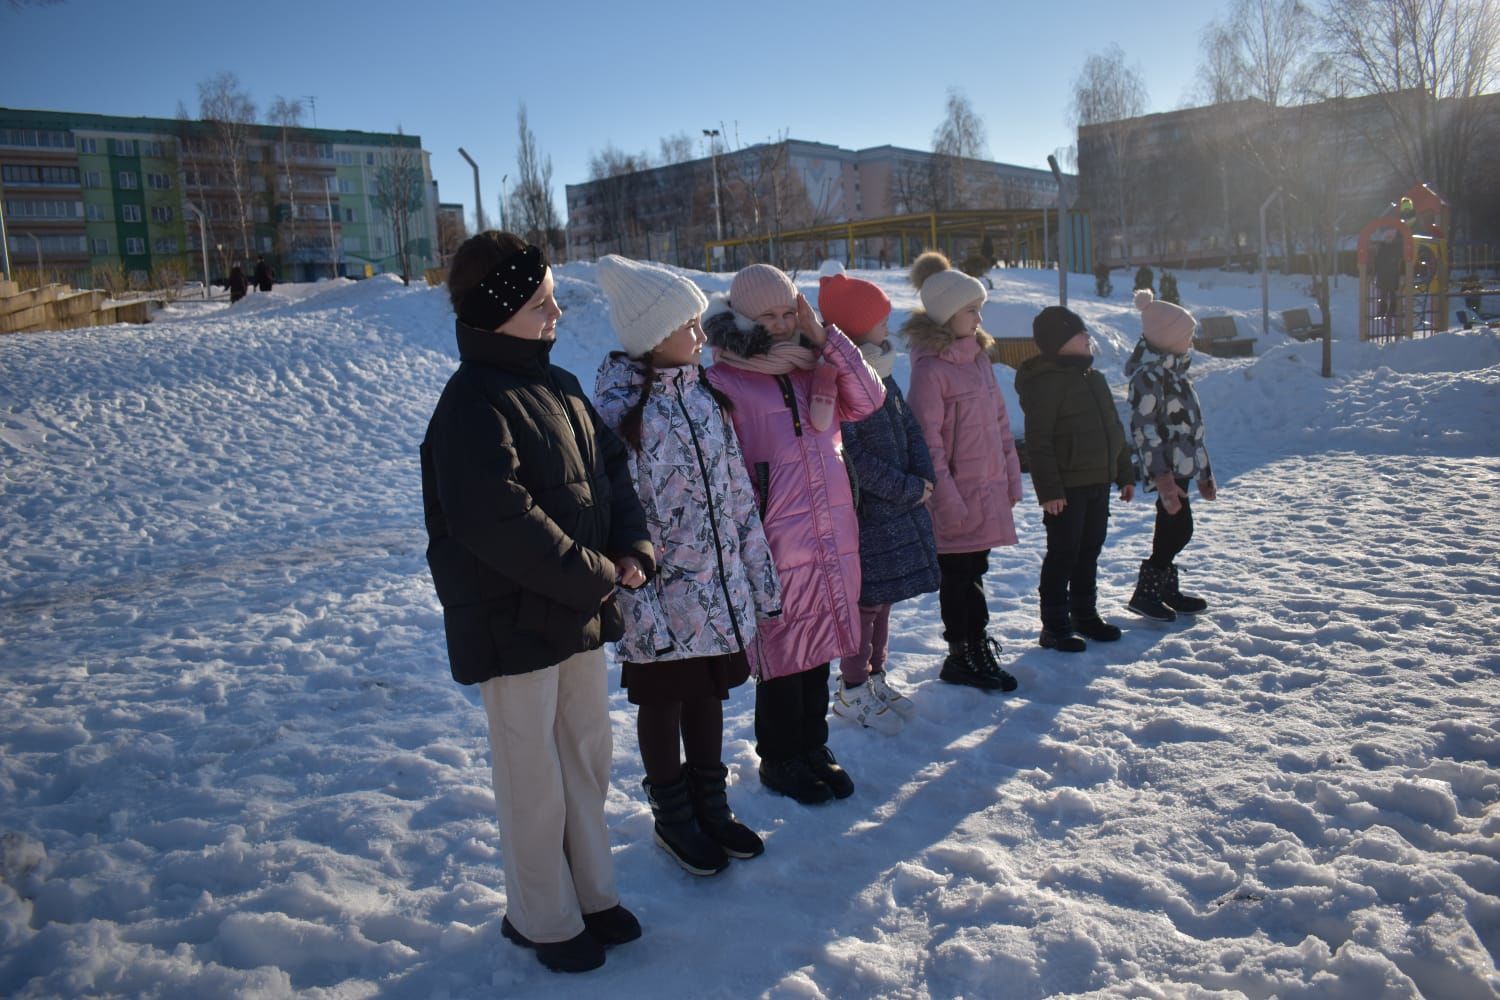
pixel 85 194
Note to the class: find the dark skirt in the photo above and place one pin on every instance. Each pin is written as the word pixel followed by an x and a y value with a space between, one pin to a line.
pixel 683 680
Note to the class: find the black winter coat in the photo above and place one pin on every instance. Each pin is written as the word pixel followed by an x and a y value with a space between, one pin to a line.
pixel 527 496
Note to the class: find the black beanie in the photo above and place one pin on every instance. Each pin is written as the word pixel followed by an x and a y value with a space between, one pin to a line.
pixel 1053 327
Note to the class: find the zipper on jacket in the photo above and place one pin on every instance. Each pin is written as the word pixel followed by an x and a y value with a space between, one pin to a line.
pixel 790 398
pixel 713 520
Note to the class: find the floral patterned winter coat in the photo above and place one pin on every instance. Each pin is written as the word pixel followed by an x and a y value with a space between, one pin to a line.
pixel 714 573
pixel 1166 420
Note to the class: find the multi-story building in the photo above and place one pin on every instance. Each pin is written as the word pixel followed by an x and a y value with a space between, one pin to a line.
pixel 669 212
pixel 82 195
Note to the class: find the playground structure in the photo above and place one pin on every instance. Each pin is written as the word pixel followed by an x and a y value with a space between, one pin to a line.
pixel 1404 268
pixel 1018 234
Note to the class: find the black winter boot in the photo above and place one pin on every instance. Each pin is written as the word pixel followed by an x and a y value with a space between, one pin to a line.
pixel 794 779
pixel 1089 625
pixel 711 807
pixel 1147 599
pixel 826 766
pixel 577 954
pixel 989 654
pixel 1183 604
pixel 1057 631
pixel 677 829
pixel 966 665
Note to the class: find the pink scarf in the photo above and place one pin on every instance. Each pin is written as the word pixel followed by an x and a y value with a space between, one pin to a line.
pixel 786 356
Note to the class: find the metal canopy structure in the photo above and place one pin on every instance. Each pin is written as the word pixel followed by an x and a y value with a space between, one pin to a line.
pixel 1026 232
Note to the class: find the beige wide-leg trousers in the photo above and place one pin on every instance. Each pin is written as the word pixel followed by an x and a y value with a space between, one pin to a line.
pixel 550 748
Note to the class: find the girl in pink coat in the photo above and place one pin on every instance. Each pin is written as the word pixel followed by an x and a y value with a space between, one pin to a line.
pixel 792 383
pixel 962 414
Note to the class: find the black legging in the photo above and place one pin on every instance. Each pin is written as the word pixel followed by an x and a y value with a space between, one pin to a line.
pixel 1173 531
pixel 696 727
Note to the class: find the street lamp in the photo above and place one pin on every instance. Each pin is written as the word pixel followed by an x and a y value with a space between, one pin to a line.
pixel 202 242
pixel 503 179
pixel 713 152
pixel 478 202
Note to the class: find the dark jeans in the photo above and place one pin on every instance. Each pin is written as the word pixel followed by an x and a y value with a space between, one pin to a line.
pixel 961 599
pixel 1173 531
pixel 791 714
pixel 1074 539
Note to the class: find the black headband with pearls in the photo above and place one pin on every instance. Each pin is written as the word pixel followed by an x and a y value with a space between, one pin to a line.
pixel 504 290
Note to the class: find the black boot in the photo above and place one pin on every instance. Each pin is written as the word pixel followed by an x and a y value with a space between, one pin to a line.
pixel 965 664
pixel 1089 625
pixel 577 954
pixel 826 766
pixel 1147 599
pixel 1183 604
pixel 989 653
pixel 677 829
pixel 613 926
pixel 711 807
pixel 794 779
pixel 1057 631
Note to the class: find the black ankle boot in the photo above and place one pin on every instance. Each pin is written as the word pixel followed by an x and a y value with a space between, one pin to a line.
pixel 1057 631
pixel 577 954
pixel 989 654
pixel 711 807
pixel 1147 599
pixel 794 779
pixel 1183 604
pixel 966 665
pixel 677 829
pixel 826 766
pixel 1089 625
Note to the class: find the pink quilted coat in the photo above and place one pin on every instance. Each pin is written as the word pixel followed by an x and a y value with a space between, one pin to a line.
pixel 806 504
pixel 958 403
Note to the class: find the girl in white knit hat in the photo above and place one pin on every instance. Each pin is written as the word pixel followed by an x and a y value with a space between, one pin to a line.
pixel 962 414
pixel 687 632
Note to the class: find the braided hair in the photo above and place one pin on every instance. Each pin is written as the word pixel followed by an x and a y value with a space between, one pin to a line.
pixel 630 423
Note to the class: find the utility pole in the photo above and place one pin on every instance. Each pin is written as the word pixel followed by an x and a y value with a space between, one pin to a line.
pixel 4 241
pixel 713 152
pixel 333 254
pixel 1265 280
pixel 478 202
pixel 503 179
pixel 1065 196
pixel 202 242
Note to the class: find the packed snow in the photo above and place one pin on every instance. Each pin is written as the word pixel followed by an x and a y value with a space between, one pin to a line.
pixel 234 763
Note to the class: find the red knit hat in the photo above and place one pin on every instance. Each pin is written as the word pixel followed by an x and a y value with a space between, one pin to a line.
pixel 851 304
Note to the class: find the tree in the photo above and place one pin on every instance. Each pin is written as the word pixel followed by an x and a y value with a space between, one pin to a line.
pixel 676 148
pixel 1106 95
pixel 620 186
pixel 531 201
pixel 400 194
pixel 1428 62
pixel 230 114
pixel 287 116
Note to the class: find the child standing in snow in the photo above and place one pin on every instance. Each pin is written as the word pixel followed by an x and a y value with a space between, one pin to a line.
pixel 686 633
pixel 893 473
pixel 1166 425
pixel 532 522
pixel 962 415
pixel 792 382
pixel 1076 445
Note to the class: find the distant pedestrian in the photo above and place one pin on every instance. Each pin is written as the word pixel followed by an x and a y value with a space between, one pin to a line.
pixel 237 284
pixel 263 274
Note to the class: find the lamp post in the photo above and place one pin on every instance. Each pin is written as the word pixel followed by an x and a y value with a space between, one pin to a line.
pixel 4 240
pixel 1065 196
pixel 1265 280
pixel 713 152
pixel 202 242
pixel 333 253
pixel 503 179
pixel 478 202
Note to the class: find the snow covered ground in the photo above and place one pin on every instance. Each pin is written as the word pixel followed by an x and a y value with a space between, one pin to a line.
pixel 234 763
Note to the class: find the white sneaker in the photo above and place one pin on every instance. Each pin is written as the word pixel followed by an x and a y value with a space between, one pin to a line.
pixel 894 700
pixel 861 705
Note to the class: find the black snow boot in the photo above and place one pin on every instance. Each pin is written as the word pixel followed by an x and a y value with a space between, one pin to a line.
pixel 794 779
pixel 1057 632
pixel 1089 625
pixel 715 818
pixel 966 665
pixel 989 653
pixel 1183 604
pixel 826 766
pixel 577 954
pixel 677 829
pixel 1147 599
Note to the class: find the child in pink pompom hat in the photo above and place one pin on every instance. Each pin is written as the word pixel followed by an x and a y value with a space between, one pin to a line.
pixel 1166 427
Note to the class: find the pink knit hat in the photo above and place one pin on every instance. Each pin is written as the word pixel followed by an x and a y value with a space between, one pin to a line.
pixel 851 304
pixel 1167 327
pixel 760 288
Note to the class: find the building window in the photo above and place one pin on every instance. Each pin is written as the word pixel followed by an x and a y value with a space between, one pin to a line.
pixel 344 158
pixel 122 147
pixel 127 180
pixel 352 244
pixel 17 173
pixel 35 138
pixel 380 244
pixel 100 248
pixel 152 147
pixel 135 245
pixel 26 243
pixel 369 159
pixel 160 182
pixel 262 213
pixel 98 213
pixel 325 151
pixel 165 244
pixel 93 179
pixel 130 213
pixel 253 154
pixel 265 244
pixel 88 145
pixel 346 186
pixel 349 215
pixel 161 213
pixel 44 209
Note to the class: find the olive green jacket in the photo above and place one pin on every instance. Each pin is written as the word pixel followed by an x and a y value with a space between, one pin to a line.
pixel 1073 432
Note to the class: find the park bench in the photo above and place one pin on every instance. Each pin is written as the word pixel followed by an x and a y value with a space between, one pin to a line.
pixel 1299 325
pixel 1012 350
pixel 1219 338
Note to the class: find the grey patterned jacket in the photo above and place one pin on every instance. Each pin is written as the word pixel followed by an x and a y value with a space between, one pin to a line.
pixel 1166 420
pixel 714 573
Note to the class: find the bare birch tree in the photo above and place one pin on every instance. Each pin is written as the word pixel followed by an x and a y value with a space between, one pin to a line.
pixel 531 201
pixel 1106 95
pixel 400 195
pixel 287 117
pixel 230 114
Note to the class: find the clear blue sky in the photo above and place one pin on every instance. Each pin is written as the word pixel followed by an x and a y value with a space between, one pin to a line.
pixel 854 74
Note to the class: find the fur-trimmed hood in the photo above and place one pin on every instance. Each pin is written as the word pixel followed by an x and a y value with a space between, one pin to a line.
pixel 927 336
pixel 728 330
